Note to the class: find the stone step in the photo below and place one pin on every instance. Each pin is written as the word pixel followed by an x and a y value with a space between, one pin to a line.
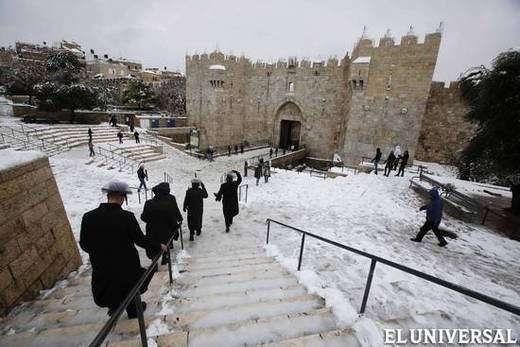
pixel 268 283
pixel 226 265
pixel 240 276
pixel 77 335
pixel 254 311
pixel 333 338
pixel 213 260
pixel 214 255
pixel 217 301
pixel 260 331
pixel 85 290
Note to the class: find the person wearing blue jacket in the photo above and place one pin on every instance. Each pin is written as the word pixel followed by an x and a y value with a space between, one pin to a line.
pixel 433 218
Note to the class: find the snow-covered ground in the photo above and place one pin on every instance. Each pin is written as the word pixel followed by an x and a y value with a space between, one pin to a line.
pixel 376 214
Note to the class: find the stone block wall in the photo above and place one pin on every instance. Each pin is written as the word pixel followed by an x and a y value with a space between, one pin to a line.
pixel 445 131
pixel 37 247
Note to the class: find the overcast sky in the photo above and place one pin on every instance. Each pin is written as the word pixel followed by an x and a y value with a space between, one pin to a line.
pixel 160 32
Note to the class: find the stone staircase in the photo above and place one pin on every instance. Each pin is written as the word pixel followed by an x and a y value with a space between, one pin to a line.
pixel 15 138
pixel 74 135
pixel 235 297
pixel 140 153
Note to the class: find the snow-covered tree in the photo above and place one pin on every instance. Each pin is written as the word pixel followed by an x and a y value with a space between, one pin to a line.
pixel 21 77
pixel 171 96
pixel 493 154
pixel 140 94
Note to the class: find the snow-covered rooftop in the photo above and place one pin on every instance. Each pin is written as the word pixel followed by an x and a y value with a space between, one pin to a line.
pixel 217 67
pixel 361 60
pixel 10 158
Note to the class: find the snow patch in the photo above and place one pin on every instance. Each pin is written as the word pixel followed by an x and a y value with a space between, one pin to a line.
pixel 157 327
pixel 362 60
pixel 217 67
pixel 368 333
pixel 9 158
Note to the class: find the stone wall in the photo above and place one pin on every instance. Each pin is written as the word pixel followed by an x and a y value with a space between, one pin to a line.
pixel 37 247
pixel 350 106
pixel 445 131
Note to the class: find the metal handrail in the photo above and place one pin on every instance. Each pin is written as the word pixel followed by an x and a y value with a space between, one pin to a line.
pixel 135 295
pixel 240 192
pixel 374 259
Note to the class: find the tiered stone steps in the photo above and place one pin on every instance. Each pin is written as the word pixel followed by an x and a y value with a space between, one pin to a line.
pixel 19 141
pixel 74 135
pixel 139 153
pixel 242 298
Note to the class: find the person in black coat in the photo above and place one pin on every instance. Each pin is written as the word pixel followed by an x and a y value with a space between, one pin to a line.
pixel 194 204
pixel 228 193
pixel 120 136
pixel 142 175
pixel 258 172
pixel 162 217
pixel 136 135
pixel 404 161
pixel 389 163
pixel 109 235
pixel 229 150
pixel 377 159
pixel 89 135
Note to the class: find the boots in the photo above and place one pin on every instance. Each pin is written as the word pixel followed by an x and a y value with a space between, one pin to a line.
pixel 192 238
pixel 415 239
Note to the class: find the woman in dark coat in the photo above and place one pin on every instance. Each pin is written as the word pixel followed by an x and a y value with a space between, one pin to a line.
pixel 162 217
pixel 228 193
pixel 377 158
pixel 109 235
pixel 404 161
pixel 194 204
pixel 389 163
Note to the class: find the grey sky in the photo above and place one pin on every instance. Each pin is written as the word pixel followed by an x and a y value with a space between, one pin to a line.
pixel 160 32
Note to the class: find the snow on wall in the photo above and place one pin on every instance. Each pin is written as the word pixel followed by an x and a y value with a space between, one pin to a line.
pixel 9 158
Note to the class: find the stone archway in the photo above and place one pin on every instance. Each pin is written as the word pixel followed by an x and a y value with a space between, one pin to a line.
pixel 288 125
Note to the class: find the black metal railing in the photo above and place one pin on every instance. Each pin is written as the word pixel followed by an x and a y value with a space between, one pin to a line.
pixel 168 178
pixel 318 173
pixel 375 259
pixel 135 296
pixel 240 188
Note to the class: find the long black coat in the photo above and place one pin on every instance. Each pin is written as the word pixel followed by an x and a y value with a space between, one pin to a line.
pixel 162 216
pixel 194 204
pixel 229 194
pixel 109 235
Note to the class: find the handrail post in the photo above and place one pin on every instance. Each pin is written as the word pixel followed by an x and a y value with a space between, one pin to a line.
pixel 170 264
pixel 268 231
pixel 140 318
pixel 301 252
pixel 367 286
pixel 139 195
pixel 180 232
pixel 485 215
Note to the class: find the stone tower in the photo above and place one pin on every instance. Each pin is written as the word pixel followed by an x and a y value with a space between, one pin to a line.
pixel 390 87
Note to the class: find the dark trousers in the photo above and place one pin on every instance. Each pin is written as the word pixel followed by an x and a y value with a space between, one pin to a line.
pixel 388 169
pixel 228 219
pixel 427 226
pixel 92 153
pixel 143 184
pixel 401 171
pixel 137 140
pixel 120 140
pixel 195 231
pixel 131 309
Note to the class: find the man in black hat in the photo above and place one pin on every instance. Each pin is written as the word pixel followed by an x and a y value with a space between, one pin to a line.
pixel 228 193
pixel 194 204
pixel 109 235
pixel 162 217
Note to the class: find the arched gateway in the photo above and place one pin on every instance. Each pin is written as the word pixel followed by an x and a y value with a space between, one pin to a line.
pixel 288 125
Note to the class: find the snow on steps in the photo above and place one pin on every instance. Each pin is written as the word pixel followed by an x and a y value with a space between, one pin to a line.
pixel 248 300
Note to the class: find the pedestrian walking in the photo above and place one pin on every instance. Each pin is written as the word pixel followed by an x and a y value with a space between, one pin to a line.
pixel 389 163
pixel 258 172
pixel 229 150
pixel 270 152
pixel 433 218
pixel 194 204
pixel 404 161
pixel 276 152
pixel 109 235
pixel 120 136
pixel 236 149
pixel 242 148
pixel 162 217
pixel 132 127
pixel 377 158
pixel 228 193
pixel 397 153
pixel 89 135
pixel 266 170
pixel 245 168
pixel 136 135
pixel 91 149
pixel 142 174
